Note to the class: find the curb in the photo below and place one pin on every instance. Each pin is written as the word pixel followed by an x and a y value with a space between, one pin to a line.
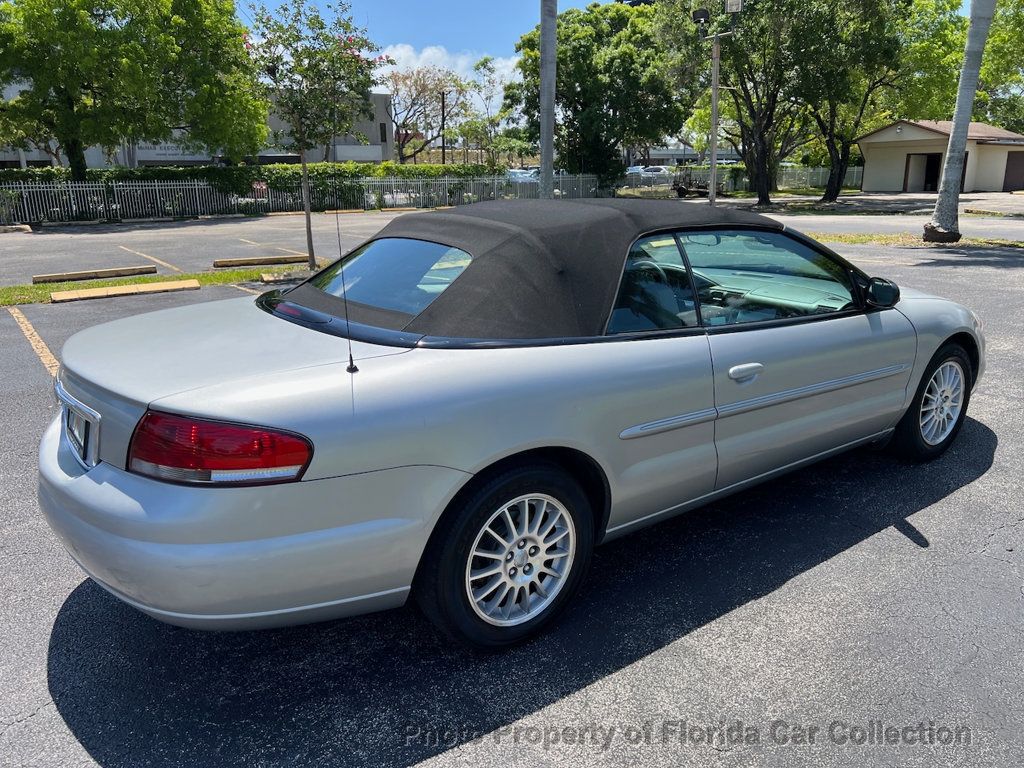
pixel 257 261
pixel 997 214
pixel 15 228
pixel 94 274
pixel 58 297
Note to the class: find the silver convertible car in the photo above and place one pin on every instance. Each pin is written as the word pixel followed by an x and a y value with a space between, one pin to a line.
pixel 462 407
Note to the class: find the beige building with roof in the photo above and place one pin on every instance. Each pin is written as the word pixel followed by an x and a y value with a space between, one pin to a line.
pixel 907 156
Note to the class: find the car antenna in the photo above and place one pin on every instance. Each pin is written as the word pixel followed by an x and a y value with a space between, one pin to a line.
pixel 344 297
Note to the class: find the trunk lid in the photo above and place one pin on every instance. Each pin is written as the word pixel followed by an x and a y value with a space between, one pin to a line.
pixel 118 368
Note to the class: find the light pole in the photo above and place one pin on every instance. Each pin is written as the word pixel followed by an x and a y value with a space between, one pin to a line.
pixel 701 17
pixel 443 145
pixel 548 43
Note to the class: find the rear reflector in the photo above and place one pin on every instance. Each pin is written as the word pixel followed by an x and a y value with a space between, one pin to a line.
pixel 183 449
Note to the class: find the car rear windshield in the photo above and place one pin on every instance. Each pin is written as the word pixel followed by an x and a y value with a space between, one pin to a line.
pixel 394 274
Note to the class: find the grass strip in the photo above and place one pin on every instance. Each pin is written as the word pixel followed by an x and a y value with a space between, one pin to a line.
pixel 907 240
pixel 40 293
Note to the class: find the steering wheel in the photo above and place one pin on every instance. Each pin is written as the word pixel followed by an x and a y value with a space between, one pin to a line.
pixel 651 265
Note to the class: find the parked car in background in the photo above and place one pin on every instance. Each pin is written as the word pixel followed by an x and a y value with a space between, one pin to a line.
pixel 657 172
pixel 460 409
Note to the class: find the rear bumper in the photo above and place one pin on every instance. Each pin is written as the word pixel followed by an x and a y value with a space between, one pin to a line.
pixel 232 558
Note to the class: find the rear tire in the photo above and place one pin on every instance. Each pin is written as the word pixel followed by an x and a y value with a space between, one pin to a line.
pixel 939 407
pixel 521 582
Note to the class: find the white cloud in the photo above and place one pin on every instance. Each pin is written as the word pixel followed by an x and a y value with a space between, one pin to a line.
pixel 407 57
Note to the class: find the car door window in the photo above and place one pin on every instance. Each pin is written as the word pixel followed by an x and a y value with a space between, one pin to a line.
pixel 655 293
pixel 746 276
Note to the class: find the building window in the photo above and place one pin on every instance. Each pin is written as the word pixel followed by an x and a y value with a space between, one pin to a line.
pixel 383 133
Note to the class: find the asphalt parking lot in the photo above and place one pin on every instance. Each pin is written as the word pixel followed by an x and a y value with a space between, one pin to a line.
pixel 192 246
pixel 858 591
pixel 175 247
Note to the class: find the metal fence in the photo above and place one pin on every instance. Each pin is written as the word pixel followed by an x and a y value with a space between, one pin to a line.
pixel 732 178
pixel 30 203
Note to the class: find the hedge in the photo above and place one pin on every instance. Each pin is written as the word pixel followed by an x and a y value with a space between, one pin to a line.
pixel 239 178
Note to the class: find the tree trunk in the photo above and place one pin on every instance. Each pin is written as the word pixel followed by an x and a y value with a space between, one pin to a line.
pixel 840 161
pixel 76 158
pixel 306 208
pixel 758 162
pixel 945 225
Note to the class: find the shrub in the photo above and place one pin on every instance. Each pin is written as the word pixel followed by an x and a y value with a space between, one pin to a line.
pixel 238 179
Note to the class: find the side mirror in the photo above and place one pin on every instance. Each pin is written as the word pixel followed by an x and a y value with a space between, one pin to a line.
pixel 882 292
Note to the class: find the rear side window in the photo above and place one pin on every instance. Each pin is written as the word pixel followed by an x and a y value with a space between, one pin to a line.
pixel 656 293
pixel 395 274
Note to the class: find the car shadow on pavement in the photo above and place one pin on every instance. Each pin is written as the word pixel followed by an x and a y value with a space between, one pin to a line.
pixel 386 690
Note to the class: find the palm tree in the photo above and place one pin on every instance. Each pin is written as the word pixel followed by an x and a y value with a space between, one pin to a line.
pixel 945 226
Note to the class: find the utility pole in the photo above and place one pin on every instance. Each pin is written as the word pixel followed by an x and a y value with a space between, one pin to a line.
pixel 716 58
pixel 701 17
pixel 548 63
pixel 443 146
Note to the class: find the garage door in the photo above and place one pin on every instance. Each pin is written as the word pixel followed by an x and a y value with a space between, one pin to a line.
pixel 1014 172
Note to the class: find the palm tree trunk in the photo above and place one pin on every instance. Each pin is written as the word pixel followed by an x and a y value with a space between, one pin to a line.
pixel 945 226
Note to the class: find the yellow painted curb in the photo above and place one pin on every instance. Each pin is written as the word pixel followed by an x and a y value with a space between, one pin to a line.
pixel 256 261
pixel 94 274
pixel 82 294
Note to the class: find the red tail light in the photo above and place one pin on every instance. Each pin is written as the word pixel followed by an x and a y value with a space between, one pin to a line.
pixel 187 450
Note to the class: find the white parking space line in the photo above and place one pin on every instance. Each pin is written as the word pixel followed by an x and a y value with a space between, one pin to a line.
pixel 243 288
pixel 42 351
pixel 154 259
pixel 275 247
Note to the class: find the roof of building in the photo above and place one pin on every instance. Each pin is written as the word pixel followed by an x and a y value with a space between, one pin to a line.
pixel 981 132
pixel 540 269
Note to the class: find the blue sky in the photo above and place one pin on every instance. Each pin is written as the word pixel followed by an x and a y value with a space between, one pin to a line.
pixel 476 26
pixel 454 33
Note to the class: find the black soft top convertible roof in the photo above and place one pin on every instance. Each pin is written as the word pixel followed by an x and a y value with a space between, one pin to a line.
pixel 540 269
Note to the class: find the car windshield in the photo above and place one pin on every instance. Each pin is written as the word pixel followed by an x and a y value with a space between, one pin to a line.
pixel 396 274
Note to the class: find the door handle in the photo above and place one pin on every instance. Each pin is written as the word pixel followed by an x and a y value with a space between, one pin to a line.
pixel 745 372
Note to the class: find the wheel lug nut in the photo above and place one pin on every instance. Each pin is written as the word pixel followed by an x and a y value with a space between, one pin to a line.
pixel 534 550
pixel 512 571
pixel 527 568
pixel 522 543
pixel 508 557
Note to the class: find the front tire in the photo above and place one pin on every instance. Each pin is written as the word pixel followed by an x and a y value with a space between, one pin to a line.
pixel 508 559
pixel 939 407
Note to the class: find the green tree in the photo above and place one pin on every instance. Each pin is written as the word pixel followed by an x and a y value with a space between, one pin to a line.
pixel 843 56
pixel 514 142
pixel 758 77
pixel 484 112
pixel 98 72
pixel 318 73
pixel 615 86
pixel 1000 97
pixel 932 36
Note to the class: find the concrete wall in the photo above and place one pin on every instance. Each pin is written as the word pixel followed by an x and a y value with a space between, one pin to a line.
pixel 991 168
pixel 885 163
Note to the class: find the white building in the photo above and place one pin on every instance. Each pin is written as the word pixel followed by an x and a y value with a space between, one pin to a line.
pixel 377 130
pixel 907 156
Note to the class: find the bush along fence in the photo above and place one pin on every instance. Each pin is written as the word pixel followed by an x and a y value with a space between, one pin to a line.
pixel 62 201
